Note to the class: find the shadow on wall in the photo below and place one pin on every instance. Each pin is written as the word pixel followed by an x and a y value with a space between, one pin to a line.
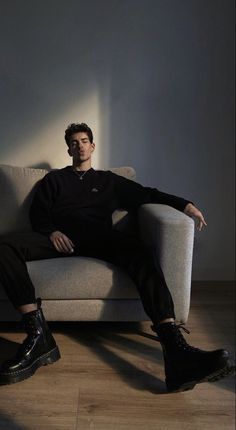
pixel 43 165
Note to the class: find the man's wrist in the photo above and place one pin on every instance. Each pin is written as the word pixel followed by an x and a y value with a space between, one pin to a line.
pixel 188 207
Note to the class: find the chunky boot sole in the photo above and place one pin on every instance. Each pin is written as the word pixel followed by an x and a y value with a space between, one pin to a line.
pixel 175 386
pixel 12 377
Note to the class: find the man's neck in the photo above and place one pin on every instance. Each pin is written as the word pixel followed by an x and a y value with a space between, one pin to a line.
pixel 86 165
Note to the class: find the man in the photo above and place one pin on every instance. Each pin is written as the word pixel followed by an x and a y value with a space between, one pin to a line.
pixel 71 214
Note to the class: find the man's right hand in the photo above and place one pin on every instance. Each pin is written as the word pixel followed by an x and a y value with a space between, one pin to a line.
pixel 61 242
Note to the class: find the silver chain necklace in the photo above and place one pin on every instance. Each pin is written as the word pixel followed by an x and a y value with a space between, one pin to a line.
pixel 77 172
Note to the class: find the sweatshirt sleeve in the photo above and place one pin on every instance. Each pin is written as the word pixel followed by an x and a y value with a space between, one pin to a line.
pixel 40 213
pixel 131 195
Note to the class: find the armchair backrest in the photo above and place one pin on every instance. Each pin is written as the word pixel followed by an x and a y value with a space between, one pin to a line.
pixel 17 186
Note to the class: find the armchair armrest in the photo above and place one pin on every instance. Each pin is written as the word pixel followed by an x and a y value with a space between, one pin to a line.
pixel 171 235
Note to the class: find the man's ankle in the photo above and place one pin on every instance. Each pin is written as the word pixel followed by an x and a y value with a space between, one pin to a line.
pixel 167 320
pixel 24 309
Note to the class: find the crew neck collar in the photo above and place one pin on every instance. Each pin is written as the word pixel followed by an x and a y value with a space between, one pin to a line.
pixel 79 171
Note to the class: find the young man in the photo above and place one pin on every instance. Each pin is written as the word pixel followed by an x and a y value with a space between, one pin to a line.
pixel 71 214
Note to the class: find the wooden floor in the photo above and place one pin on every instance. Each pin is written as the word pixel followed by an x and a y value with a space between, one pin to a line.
pixel 111 377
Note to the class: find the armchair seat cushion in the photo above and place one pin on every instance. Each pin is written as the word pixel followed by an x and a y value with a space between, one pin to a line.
pixel 73 278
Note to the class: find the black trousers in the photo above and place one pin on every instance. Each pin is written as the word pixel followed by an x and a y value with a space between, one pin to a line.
pixel 126 251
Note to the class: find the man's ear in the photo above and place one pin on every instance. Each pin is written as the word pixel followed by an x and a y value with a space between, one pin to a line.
pixel 69 152
pixel 93 146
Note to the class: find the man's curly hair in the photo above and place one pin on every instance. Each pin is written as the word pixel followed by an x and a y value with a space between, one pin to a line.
pixel 78 128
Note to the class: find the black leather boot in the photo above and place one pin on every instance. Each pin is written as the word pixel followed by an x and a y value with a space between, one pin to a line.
pixel 38 349
pixel 186 366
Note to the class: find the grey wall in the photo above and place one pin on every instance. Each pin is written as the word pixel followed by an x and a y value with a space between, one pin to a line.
pixel 153 78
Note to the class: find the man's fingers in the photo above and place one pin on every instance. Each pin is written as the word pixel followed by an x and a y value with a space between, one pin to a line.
pixel 56 246
pixel 64 244
pixel 59 245
pixel 61 242
pixel 69 244
pixel 201 223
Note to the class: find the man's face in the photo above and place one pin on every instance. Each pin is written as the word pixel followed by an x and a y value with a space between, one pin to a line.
pixel 80 147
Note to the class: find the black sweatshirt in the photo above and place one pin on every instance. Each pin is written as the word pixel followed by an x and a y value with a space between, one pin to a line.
pixel 82 209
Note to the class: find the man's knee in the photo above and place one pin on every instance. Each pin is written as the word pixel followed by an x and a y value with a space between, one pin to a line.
pixel 20 243
pixel 9 246
pixel 12 240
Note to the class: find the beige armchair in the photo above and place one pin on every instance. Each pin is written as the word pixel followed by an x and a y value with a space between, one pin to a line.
pixel 88 289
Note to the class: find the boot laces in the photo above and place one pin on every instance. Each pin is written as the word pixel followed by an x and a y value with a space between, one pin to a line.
pixel 180 341
pixel 178 337
pixel 176 326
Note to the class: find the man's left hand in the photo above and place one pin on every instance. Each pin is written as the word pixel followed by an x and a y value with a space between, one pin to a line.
pixel 194 212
